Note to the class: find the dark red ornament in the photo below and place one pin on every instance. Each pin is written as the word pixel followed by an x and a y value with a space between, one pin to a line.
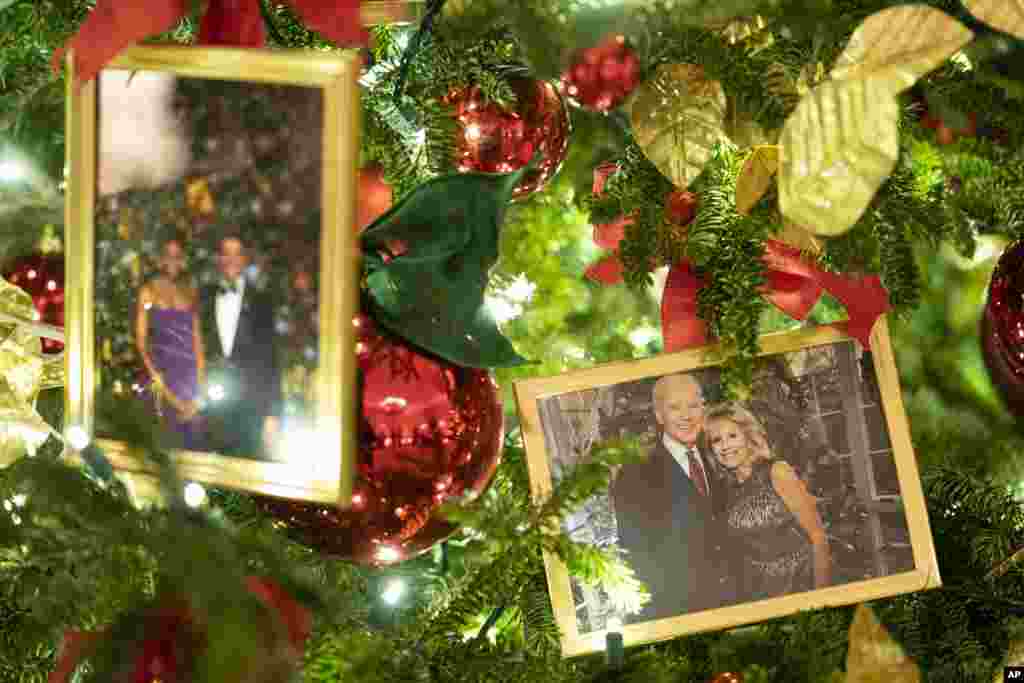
pixel 727 677
pixel 681 207
pixel 945 135
pixel 490 139
pixel 602 77
pixel 42 277
pixel 375 196
pixel 170 638
pixel 431 432
pixel 1002 328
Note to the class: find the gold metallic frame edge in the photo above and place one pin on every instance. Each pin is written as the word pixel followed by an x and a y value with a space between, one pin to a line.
pixel 336 75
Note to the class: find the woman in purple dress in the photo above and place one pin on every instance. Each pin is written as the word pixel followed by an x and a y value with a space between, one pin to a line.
pixel 168 338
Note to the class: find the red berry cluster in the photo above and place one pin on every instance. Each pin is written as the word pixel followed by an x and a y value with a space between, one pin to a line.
pixel 602 77
pixel 945 135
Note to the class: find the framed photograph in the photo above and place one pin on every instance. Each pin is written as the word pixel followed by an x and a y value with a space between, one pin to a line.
pixel 804 495
pixel 213 264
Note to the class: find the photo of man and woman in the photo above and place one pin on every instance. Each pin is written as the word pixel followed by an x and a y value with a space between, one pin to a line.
pixel 207 257
pixel 214 338
pixel 791 490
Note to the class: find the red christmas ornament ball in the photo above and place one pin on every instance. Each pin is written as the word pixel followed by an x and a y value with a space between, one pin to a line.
pixel 727 677
pixel 431 432
pixel 42 277
pixel 945 135
pixel 602 77
pixel 375 196
pixel 1002 328
pixel 681 207
pixel 491 139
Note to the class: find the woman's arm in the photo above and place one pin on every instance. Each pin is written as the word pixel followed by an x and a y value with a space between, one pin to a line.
pixel 802 504
pixel 142 332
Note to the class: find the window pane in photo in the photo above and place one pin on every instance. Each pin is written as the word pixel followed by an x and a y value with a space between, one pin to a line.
pixel 868 381
pixel 899 559
pixel 886 481
pixel 835 426
pixel 847 465
pixel 894 528
pixel 878 433
pixel 830 394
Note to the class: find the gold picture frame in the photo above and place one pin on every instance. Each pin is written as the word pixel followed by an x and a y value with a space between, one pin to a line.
pixel 333 75
pixel 561 415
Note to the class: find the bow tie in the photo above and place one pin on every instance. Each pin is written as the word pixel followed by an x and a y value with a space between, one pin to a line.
pixel 227 288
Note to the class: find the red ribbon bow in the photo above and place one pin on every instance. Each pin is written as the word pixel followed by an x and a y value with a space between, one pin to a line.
pixel 296 619
pixel 792 284
pixel 115 24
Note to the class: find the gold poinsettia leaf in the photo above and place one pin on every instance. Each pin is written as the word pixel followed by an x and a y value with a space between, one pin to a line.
pixel 899 45
pixel 738 29
pixel 874 656
pixel 810 76
pixel 23 371
pixel 800 237
pixel 1005 15
pixel 756 177
pixel 1014 657
pixel 678 117
pixel 838 147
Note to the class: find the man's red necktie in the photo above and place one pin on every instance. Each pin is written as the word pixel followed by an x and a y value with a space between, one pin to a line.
pixel 697 472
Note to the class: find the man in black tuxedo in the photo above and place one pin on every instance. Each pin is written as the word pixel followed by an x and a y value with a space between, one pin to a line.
pixel 667 506
pixel 244 383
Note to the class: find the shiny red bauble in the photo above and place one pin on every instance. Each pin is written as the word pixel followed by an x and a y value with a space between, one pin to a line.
pixel 727 677
pixel 681 207
pixel 491 139
pixel 1002 328
pixel 431 432
pixel 374 195
pixel 42 277
pixel 602 77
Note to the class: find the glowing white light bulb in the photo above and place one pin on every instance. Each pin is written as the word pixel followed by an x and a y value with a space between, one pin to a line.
pixel 195 494
pixel 77 437
pixel 393 592
pixel 216 392
pixel 20 499
pixel 473 132
pixel 388 554
pixel 643 336
pixel 11 171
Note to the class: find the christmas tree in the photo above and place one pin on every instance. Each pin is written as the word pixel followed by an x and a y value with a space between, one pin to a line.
pixel 678 109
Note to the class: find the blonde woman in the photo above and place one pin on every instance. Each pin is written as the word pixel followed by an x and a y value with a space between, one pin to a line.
pixel 777 534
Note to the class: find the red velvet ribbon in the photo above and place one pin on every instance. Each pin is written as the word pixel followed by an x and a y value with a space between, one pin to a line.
pixel 792 285
pixel 297 620
pixel 115 24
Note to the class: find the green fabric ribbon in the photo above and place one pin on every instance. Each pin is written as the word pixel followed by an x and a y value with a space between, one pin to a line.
pixel 431 293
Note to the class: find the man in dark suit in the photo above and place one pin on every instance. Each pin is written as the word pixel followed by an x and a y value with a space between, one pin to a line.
pixel 667 506
pixel 244 384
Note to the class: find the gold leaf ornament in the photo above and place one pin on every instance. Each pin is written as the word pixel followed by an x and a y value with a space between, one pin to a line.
pixel 874 656
pixel 838 147
pixel 24 372
pixel 800 237
pixel 1005 15
pixel 899 45
pixel 756 177
pixel 678 117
